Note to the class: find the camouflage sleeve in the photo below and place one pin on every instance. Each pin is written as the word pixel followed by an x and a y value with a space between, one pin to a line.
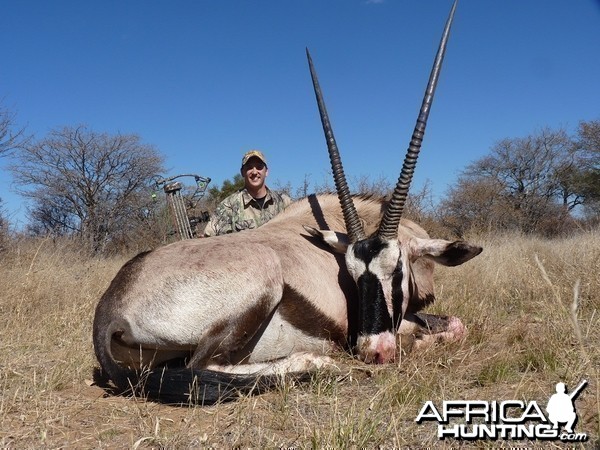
pixel 221 221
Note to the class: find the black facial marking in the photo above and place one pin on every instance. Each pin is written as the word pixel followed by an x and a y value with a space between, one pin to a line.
pixel 374 317
pixel 397 294
pixel 368 249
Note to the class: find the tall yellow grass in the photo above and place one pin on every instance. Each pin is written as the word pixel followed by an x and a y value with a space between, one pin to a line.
pixel 532 307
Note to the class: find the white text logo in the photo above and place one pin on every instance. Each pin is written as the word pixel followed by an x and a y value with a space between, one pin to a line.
pixel 510 419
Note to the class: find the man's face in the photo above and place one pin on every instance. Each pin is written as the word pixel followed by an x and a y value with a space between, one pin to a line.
pixel 254 172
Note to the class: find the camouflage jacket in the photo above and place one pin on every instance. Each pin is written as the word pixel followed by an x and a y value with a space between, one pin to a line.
pixel 240 211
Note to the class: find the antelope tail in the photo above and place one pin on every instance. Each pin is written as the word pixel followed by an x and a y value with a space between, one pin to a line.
pixel 185 386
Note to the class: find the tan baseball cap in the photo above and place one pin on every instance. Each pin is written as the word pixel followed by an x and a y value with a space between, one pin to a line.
pixel 253 154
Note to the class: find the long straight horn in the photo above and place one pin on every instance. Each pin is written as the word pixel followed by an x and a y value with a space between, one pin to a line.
pixel 388 228
pixel 353 225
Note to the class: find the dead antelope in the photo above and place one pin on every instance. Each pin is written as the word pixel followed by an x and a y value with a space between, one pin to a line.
pixel 199 320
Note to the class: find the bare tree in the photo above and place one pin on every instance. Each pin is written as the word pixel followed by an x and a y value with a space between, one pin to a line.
pixel 523 184
pixel 588 180
pixel 93 185
pixel 10 136
pixel 359 184
pixel 303 190
pixel 3 229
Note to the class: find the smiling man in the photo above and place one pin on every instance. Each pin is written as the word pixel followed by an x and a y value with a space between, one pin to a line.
pixel 252 206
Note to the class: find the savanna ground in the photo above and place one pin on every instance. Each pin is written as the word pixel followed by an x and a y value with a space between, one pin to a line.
pixel 516 299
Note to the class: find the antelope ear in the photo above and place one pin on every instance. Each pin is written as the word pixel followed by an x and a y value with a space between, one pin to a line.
pixel 337 241
pixel 444 252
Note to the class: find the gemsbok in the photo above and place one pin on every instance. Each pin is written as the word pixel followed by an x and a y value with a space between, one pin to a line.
pixel 199 321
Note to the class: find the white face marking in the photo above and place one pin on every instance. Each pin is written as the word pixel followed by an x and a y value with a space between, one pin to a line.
pixel 385 262
pixel 405 260
pixel 382 265
pixel 356 267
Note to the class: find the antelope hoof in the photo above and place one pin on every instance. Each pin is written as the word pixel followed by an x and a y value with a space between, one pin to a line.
pixel 308 362
pixel 456 329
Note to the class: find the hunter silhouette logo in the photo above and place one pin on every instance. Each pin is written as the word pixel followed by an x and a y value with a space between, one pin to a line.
pixel 561 406
pixel 509 419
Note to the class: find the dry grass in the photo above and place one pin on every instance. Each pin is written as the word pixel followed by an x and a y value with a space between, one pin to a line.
pixel 516 300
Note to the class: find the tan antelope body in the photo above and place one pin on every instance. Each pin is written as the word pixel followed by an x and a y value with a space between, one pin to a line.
pixel 238 302
pixel 197 321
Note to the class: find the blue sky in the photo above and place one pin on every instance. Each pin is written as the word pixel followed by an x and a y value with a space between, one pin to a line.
pixel 204 81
